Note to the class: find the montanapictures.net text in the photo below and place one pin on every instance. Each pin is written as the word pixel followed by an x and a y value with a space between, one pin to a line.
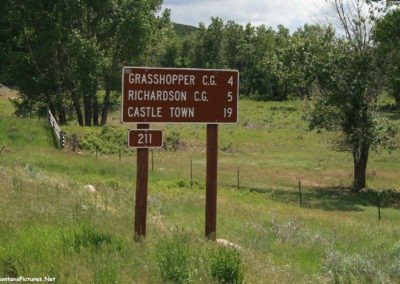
pixel 27 279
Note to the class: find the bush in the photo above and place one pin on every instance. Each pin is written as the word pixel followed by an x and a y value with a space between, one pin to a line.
pixel 86 237
pixel 360 268
pixel 173 142
pixel 109 141
pixel 8 268
pixel 174 259
pixel 226 266
pixel 106 268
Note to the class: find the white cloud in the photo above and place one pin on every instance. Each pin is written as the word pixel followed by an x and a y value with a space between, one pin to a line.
pixel 290 13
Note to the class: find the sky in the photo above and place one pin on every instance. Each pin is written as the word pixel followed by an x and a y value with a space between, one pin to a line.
pixel 290 13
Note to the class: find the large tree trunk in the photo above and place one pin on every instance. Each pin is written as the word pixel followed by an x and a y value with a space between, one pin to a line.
pixel 60 106
pixel 360 158
pixel 76 102
pixel 95 110
pixel 275 90
pixel 87 104
pixel 77 107
pixel 396 92
pixel 106 103
pixel 62 117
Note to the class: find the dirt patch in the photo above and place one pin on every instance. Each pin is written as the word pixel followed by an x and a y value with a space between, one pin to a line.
pixel 7 93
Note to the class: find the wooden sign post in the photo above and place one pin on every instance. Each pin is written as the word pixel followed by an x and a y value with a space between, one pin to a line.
pixel 171 95
pixel 211 181
pixel 142 173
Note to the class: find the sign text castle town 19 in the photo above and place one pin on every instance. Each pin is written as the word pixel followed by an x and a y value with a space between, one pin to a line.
pixel 168 95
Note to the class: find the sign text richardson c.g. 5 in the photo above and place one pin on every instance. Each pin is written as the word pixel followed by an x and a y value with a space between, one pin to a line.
pixel 174 95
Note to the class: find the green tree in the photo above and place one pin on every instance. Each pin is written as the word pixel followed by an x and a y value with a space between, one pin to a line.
pixel 33 53
pixel 213 44
pixel 163 47
pixel 273 65
pixel 259 41
pixel 128 32
pixel 246 57
pixel 204 48
pixel 197 48
pixel 387 35
pixel 60 53
pixel 307 44
pixel 234 41
pixel 349 83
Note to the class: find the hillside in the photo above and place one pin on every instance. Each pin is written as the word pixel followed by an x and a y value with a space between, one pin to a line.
pixel 183 30
pixel 54 225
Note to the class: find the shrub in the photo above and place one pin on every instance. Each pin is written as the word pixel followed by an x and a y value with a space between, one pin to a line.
pixel 173 142
pixel 8 268
pixel 173 256
pixel 395 261
pixel 86 237
pixel 226 265
pixel 106 268
pixel 346 268
pixel 110 140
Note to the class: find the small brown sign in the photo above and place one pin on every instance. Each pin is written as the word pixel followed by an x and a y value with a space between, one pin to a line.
pixel 174 95
pixel 145 138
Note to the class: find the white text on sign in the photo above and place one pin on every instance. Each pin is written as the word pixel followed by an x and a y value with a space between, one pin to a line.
pixel 170 95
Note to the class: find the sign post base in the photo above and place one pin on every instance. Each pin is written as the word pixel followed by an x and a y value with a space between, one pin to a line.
pixel 211 181
pixel 142 174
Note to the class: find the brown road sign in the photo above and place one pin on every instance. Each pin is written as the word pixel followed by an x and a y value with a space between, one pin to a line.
pixel 145 138
pixel 173 95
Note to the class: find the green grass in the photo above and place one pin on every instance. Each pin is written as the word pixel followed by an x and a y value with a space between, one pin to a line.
pixel 52 226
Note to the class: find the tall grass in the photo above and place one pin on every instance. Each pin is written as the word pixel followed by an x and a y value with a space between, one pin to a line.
pixel 74 235
pixel 226 265
pixel 51 225
pixel 182 259
pixel 174 259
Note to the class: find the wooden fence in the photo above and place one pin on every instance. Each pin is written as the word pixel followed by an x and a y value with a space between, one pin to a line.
pixel 65 142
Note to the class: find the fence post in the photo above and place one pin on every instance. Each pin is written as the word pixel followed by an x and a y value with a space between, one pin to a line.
pixel 73 143
pixel 238 178
pixel 191 172
pixel 379 205
pixel 62 139
pixel 300 197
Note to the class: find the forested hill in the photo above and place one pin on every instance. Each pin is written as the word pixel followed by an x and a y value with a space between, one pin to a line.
pixel 182 30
